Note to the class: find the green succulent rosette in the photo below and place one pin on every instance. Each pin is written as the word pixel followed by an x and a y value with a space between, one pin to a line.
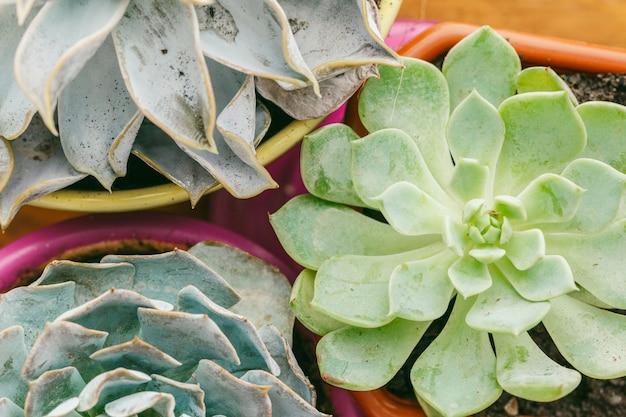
pixel 203 332
pixel 482 190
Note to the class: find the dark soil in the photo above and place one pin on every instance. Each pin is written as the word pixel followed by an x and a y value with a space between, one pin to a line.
pixel 592 398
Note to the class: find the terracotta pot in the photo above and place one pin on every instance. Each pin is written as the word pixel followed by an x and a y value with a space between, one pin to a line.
pixel 433 43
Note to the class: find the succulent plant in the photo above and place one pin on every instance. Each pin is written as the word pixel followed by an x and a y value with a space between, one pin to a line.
pixel 171 81
pixel 203 332
pixel 482 191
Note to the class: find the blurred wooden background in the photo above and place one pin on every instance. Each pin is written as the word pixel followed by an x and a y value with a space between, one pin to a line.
pixel 597 21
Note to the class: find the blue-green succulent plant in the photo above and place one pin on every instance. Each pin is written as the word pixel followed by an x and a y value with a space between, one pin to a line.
pixel 204 332
pixel 483 189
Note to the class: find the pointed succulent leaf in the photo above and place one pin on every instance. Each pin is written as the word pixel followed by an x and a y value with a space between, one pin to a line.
pixel 599 206
pixel 44 303
pixel 470 179
pixel 90 279
pixel 12 357
pixel 469 276
pixel 388 156
pixel 543 133
pixel 203 337
pixel 483 61
pixel 135 355
pixel 9 409
pixel 229 394
pixel 365 359
pixel 458 353
pixel 154 274
pixel 62 344
pixel 39 167
pixel 240 332
pixel 53 389
pixel 605 122
pixel 16 110
pixel 525 248
pixel 549 277
pixel 596 261
pixel 596 344
pixel 487 253
pixel 324 175
pixel 122 326
pixel 99 146
pixel 420 290
pixel 169 81
pixel 48 57
pixel 476 131
pixel 526 372
pixel 301 296
pixel 550 198
pixel 160 403
pixel 189 398
pixel 500 309
pixel 285 402
pixel 455 235
pixel 108 386
pixel 335 230
pixel 415 99
pixel 355 289
pixel 543 79
pixel 264 290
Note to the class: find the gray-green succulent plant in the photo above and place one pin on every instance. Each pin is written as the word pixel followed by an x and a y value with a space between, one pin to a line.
pixel 204 332
pixel 503 201
pixel 171 81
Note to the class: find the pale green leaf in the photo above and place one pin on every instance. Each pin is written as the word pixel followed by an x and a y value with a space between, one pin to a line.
pixel 543 133
pixel 525 248
pixel 469 276
pixel 470 180
pixel 526 372
pixel 160 403
pixel 486 253
pixel 543 79
pixel 13 354
pixel 135 354
pixel 550 198
pixel 483 61
pixel 9 409
pixel 53 389
pixel 189 398
pixel 108 386
pixel 605 123
pixel 6 163
pixel 365 359
pixel 459 357
pixel 595 345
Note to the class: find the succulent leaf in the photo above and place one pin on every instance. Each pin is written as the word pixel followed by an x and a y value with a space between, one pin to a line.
pixel 469 276
pixel 161 403
pixel 135 355
pixel 189 398
pixel 543 79
pixel 108 386
pixel 604 122
pixel 53 389
pixel 13 354
pixel 9 409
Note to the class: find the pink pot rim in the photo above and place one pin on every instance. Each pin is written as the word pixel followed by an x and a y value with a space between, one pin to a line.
pixel 38 247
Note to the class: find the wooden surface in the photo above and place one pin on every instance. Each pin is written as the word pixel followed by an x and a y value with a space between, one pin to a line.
pixel 596 21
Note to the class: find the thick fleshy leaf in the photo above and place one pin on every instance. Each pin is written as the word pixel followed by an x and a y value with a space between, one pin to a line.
pixel 605 123
pixel 549 277
pixel 6 163
pixel 459 357
pixel 364 359
pixel 99 146
pixel 12 356
pixel 203 337
pixel 154 274
pixel 108 386
pixel 39 168
pixel 543 79
pixel 500 309
pixel 324 174
pixel 388 156
pixel 264 290
pixel 169 81
pixel 597 261
pixel 44 303
pixel 470 180
pixel 62 344
pixel 230 395
pixel 135 355
pixel 241 333
pixel 301 296
pixel 596 345
pixel 543 133
pixel 355 289
pixel 421 290
pixel 469 276
pixel 162 404
pixel 526 372
pixel 415 99
pixel 15 109
pixel 550 198
pixel 335 229
pixel 57 44
pixel 525 248
pixel 483 61
pixel 52 389
pixel 9 409
pixel 91 279
pixel 189 398
pixel 285 402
